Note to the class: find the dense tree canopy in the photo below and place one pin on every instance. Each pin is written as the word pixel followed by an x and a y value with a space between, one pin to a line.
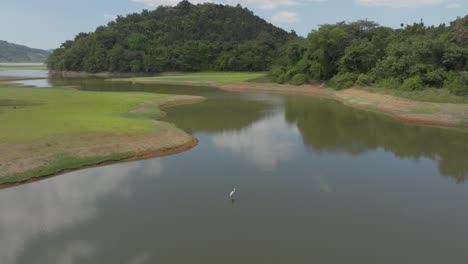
pixel 182 38
pixel 364 53
pixel 217 37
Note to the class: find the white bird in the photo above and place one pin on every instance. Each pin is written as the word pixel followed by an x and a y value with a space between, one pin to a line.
pixel 232 193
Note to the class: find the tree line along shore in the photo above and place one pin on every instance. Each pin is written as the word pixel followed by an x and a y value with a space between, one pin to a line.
pixel 213 37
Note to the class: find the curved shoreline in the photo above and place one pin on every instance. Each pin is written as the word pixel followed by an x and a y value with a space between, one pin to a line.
pixel 422 113
pixel 108 149
pixel 444 115
pixel 136 157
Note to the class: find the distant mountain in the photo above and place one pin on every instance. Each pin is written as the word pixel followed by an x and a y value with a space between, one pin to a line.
pixel 182 38
pixel 10 52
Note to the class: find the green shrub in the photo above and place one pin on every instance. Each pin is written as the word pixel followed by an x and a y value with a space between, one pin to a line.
pixel 299 79
pixel 276 74
pixel 389 83
pixel 343 80
pixel 451 76
pixel 412 84
pixel 434 78
pixel 302 66
pixel 314 70
pixel 282 78
pixel 276 71
pixel 291 72
pixel 420 69
pixel 458 84
pixel 365 79
pixel 135 66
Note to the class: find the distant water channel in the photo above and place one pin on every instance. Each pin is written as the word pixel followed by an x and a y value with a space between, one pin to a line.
pixel 22 73
pixel 317 182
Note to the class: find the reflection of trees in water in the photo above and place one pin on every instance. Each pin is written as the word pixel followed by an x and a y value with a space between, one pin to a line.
pixel 230 111
pixel 329 126
pixel 225 113
pixel 90 84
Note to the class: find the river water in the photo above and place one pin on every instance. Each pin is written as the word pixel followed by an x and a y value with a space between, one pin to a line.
pixel 317 182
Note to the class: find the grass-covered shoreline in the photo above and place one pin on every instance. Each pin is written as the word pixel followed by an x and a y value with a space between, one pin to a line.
pixel 37 113
pixel 219 79
pixel 198 78
pixel 50 130
pixel 433 95
pixel 428 107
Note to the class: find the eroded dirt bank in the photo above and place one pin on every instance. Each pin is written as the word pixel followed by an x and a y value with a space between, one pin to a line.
pixel 417 112
pixel 424 113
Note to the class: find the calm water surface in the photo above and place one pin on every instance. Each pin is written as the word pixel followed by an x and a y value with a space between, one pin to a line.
pixel 24 73
pixel 317 182
pixel 34 83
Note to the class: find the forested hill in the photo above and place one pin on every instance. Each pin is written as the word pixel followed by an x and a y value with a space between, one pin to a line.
pixel 362 53
pixel 10 52
pixel 182 38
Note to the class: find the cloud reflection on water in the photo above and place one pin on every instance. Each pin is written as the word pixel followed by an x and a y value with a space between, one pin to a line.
pixel 265 142
pixel 73 251
pixel 62 202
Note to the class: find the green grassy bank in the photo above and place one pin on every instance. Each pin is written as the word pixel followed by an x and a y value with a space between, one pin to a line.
pixel 30 113
pixel 201 77
pixel 44 131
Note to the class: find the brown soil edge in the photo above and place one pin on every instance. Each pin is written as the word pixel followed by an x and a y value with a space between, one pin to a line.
pixel 136 157
pixel 319 90
pixel 175 100
pixel 402 114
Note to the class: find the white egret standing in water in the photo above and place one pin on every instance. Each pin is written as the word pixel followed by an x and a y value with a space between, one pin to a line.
pixel 232 194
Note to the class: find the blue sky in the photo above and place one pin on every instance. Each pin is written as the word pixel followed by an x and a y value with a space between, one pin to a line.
pixel 47 23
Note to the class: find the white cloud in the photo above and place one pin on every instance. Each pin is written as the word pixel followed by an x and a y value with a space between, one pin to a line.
pixel 263 4
pixel 110 17
pixel 265 143
pixel 286 17
pixel 401 3
pixel 453 5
